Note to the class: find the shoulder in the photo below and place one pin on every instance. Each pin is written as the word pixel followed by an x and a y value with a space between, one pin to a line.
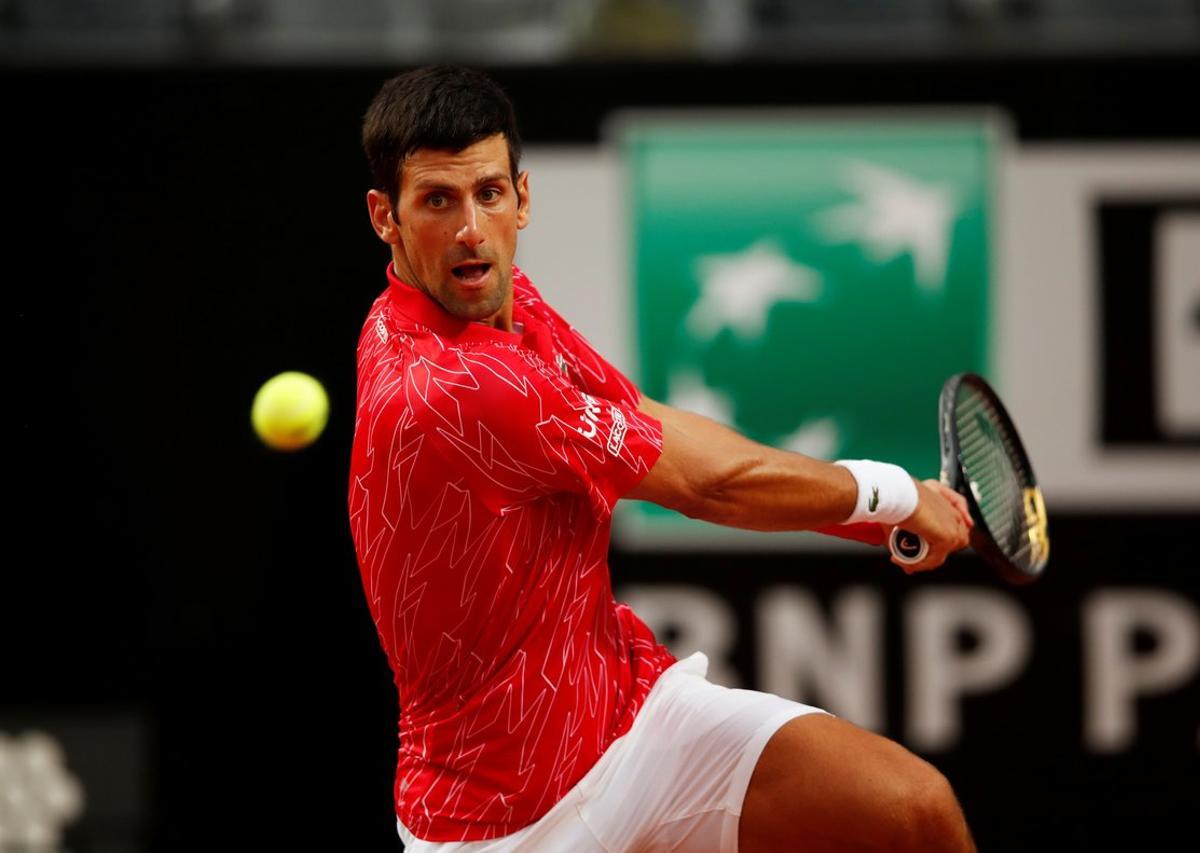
pixel 523 289
pixel 384 325
pixel 490 405
pixel 394 353
pixel 530 299
pixel 490 376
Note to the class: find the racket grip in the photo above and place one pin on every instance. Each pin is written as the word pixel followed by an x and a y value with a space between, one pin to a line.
pixel 908 548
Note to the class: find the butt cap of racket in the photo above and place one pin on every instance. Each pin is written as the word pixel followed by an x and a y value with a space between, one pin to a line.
pixel 908 548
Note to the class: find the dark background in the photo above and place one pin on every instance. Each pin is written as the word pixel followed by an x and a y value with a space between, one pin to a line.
pixel 185 604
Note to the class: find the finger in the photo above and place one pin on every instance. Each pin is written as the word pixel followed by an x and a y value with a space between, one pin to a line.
pixel 958 536
pixel 961 509
pixel 965 509
pixel 938 553
pixel 956 500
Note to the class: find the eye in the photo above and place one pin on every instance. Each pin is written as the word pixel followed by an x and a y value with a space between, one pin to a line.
pixel 437 201
pixel 490 194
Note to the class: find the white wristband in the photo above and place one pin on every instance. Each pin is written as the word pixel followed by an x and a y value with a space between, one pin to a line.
pixel 886 493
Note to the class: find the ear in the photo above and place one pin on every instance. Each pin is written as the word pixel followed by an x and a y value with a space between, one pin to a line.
pixel 522 199
pixel 379 207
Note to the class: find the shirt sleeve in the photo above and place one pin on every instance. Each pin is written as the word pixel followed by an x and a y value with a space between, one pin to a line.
pixel 599 377
pixel 516 431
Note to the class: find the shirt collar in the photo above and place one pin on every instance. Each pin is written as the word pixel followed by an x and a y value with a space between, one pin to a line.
pixel 418 306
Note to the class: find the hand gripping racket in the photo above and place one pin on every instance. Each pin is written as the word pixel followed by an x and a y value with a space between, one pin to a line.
pixel 984 461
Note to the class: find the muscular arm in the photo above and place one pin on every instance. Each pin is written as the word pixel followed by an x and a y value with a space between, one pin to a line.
pixel 708 471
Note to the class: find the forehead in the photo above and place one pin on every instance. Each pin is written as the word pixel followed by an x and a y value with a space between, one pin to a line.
pixel 438 166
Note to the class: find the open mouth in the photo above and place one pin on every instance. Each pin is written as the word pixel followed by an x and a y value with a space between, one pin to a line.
pixel 472 272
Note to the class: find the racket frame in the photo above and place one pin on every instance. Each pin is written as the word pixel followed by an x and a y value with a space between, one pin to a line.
pixel 953 476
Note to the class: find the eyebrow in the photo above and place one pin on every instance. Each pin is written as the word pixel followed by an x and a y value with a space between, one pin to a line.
pixel 426 185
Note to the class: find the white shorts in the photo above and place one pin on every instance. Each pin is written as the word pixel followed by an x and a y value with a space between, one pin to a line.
pixel 675 781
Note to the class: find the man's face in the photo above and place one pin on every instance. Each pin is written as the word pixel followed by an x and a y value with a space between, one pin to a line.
pixel 458 216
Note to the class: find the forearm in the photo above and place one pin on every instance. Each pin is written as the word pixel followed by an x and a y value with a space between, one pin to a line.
pixel 715 474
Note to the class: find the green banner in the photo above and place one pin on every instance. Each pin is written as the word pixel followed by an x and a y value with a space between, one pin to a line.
pixel 809 282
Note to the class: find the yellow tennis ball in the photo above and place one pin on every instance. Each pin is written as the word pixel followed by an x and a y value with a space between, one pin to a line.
pixel 289 411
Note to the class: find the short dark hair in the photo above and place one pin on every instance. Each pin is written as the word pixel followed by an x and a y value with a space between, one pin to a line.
pixel 443 107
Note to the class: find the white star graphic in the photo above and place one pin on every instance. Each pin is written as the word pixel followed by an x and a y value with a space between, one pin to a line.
pixel 820 438
pixel 738 289
pixel 686 390
pixel 895 214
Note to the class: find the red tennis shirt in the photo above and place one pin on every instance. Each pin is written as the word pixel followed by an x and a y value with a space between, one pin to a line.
pixel 484 472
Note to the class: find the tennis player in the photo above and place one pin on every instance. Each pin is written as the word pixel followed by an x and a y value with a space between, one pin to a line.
pixel 491 444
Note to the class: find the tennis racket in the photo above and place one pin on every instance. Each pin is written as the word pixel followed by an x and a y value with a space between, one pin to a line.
pixel 984 461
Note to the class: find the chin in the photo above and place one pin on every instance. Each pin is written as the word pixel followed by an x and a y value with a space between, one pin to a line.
pixel 481 309
pixel 486 303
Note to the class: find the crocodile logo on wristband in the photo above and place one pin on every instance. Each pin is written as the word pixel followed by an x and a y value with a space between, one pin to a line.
pixel 874 502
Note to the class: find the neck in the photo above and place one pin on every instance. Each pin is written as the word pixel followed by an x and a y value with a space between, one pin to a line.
pixel 502 319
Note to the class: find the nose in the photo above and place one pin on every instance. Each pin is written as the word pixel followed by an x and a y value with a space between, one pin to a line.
pixel 470 235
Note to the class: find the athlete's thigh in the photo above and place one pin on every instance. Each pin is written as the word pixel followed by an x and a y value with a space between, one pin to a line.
pixel 822 783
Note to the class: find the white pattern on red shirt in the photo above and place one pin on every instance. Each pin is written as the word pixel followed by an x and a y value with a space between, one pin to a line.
pixel 483 475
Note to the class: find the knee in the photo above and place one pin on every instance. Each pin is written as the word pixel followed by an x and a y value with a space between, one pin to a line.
pixel 929 816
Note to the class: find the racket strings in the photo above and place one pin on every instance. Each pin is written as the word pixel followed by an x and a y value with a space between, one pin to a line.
pixel 987 451
pixel 1001 490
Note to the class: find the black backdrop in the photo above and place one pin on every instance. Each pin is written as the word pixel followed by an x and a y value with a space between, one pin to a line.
pixel 176 235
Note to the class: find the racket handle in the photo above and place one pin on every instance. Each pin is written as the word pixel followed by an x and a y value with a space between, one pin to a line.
pixel 906 547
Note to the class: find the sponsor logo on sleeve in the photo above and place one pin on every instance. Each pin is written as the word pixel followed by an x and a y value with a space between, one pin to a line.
pixel 590 417
pixel 617 437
